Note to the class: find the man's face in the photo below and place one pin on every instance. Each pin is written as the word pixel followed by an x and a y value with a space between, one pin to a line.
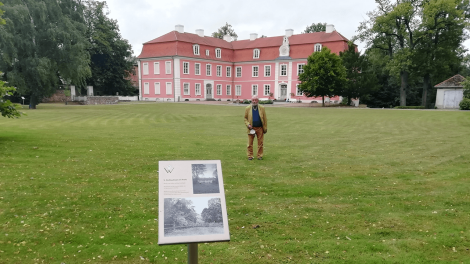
pixel 254 101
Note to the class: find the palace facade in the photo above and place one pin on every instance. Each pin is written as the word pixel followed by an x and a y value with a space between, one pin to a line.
pixel 181 66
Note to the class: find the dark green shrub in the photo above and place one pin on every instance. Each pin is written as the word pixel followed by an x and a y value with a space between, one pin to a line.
pixel 246 102
pixel 465 104
pixel 409 107
pixel 266 102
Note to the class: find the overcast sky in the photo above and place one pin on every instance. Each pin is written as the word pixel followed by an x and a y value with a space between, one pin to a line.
pixel 144 20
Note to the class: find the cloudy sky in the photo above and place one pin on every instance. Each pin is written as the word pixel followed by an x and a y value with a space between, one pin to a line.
pixel 144 20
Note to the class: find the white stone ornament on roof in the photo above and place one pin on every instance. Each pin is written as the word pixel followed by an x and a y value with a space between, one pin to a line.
pixel 284 49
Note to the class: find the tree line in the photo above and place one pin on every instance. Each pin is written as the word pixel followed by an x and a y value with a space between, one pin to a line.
pixel 47 44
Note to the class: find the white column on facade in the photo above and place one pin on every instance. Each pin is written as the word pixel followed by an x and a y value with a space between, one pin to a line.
pixel 277 89
pixel 289 80
pixel 140 80
pixel 177 78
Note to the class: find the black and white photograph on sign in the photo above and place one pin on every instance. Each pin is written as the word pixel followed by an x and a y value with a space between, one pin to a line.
pixel 205 178
pixel 193 216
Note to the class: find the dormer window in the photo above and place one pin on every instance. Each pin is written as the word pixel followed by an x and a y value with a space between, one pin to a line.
pixel 207 53
pixel 196 49
pixel 317 47
pixel 218 53
pixel 256 54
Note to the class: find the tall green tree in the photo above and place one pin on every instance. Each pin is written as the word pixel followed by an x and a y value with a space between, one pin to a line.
pixel 43 45
pixel 111 55
pixel 324 75
pixel 360 78
pixel 318 27
pixel 225 30
pixel 7 108
pixel 2 21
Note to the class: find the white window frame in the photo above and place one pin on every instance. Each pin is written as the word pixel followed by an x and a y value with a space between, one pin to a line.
pixel 285 71
pixel 298 92
pixel 197 68
pixel 318 47
pixel 253 72
pixel 156 87
pixel 218 70
pixel 218 53
pixel 168 67
pixel 169 88
pixel 208 69
pixel 146 88
pixel 269 89
pixel 300 68
pixel 197 89
pixel 186 91
pixel 207 53
pixel 266 73
pixel 228 71
pixel 219 89
pixel 254 90
pixel 256 53
pixel 185 67
pixel 145 68
pixel 238 73
pixel 196 49
pixel 156 68
pixel 228 89
pixel 238 90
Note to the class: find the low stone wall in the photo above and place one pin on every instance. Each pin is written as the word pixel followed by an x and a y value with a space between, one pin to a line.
pixel 98 100
pixel 59 96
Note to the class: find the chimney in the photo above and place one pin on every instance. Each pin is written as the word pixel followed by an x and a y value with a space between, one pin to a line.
pixel 330 28
pixel 253 36
pixel 200 32
pixel 228 38
pixel 289 32
pixel 179 28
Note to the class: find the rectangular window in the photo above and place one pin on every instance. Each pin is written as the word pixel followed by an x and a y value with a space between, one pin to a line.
pixel 146 88
pixel 283 69
pixel 168 88
pixel 196 49
pixel 299 93
pixel 156 68
pixel 254 90
pixel 267 70
pixel 255 71
pixel 198 89
pixel 145 68
pixel 239 71
pixel 157 87
pixel 207 52
pixel 300 68
pixel 168 67
pixel 238 90
pixel 208 69
pixel 218 53
pixel 219 70
pixel 228 90
pixel 197 69
pixel 229 71
pixel 185 67
pixel 186 89
pixel 219 89
pixel 267 89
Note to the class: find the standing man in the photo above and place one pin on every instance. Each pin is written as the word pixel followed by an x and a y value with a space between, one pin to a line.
pixel 257 124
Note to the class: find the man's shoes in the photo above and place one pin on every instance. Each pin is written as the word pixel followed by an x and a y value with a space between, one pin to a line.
pixel 250 158
pixel 260 158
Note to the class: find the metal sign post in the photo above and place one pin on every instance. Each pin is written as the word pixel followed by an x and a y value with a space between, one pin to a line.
pixel 192 253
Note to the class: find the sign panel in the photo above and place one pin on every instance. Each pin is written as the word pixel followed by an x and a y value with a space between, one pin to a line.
pixel 191 202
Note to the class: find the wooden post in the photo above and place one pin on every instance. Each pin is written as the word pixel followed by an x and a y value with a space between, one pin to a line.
pixel 192 253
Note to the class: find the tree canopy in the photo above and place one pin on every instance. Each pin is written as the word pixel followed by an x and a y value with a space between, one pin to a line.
pixel 225 30
pixel 318 27
pixel 324 75
pixel 7 108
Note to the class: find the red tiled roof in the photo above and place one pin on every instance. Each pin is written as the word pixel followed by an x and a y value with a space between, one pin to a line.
pixel 454 81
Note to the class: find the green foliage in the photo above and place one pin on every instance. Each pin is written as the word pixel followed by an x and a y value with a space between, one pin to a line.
pixel 465 104
pixel 43 46
pixel 324 75
pixel 7 108
pixel 466 88
pixel 409 107
pixel 111 55
pixel 245 101
pixel 265 102
pixel 318 27
pixel 2 21
pixel 225 30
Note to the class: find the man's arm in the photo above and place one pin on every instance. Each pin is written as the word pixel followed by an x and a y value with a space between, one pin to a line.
pixel 265 121
pixel 247 122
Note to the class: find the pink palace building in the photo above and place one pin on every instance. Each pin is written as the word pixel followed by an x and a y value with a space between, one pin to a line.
pixel 181 66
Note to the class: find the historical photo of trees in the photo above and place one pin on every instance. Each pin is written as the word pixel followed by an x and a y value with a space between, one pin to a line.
pixel 193 216
pixel 205 178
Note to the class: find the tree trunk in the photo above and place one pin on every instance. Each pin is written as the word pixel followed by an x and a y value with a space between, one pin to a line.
pixel 349 100
pixel 426 83
pixel 323 101
pixel 33 101
pixel 403 87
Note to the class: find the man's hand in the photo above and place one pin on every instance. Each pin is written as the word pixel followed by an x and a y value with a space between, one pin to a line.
pixel 250 127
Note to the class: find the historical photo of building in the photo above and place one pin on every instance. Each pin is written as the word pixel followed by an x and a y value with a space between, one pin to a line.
pixel 193 216
pixel 205 178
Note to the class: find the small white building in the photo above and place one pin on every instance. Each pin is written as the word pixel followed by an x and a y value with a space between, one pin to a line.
pixel 450 93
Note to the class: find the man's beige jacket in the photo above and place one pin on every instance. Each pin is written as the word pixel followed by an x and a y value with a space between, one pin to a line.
pixel 249 118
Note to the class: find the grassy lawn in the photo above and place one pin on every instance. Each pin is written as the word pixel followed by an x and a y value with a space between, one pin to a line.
pixel 80 184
